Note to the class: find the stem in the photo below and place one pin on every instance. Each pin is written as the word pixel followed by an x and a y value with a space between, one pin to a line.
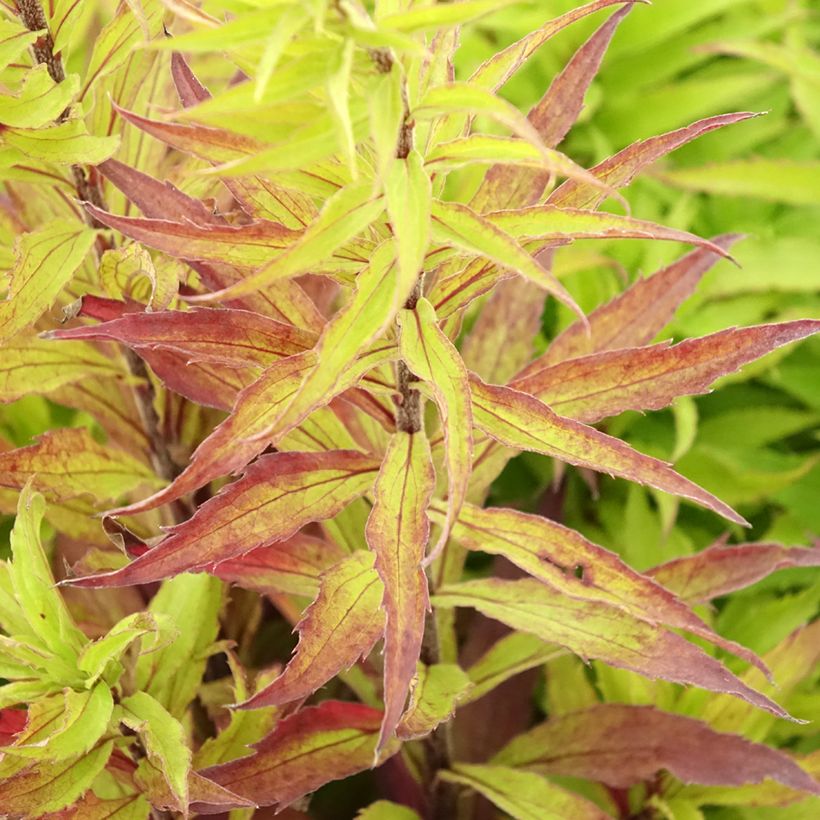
pixel 88 189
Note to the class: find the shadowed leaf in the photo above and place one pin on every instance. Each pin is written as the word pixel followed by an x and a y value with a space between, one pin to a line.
pixel 622 745
pixel 436 694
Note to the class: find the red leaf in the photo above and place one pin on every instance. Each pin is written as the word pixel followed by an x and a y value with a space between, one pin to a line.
pixel 622 745
pixel 604 384
pixel 231 337
pixel 247 246
pixel 397 531
pixel 636 316
pixel 189 88
pixel 568 562
pixel 722 569
pixel 519 420
pixel 316 745
pixel 277 495
pixel 553 116
pixel 337 629
pixel 292 566
pixel 621 168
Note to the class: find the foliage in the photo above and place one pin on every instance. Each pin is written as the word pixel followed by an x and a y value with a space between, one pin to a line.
pixel 311 319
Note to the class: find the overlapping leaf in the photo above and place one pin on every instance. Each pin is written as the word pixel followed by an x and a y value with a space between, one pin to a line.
pixel 277 495
pixel 338 628
pixel 593 387
pixel 622 745
pixel 522 421
pixel 597 630
pixel 305 751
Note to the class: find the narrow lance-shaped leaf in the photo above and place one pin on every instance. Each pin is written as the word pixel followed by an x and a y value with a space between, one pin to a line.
pixel 409 195
pixel 522 421
pixel 724 568
pixel 68 462
pixel 636 316
pixel 247 246
pixel 604 384
pixel 316 745
pixel 45 261
pixel 38 790
pixel 568 562
pixel 379 294
pixel 277 495
pixel 459 225
pixel 345 215
pixel 228 336
pixel 493 73
pixel 242 435
pixel 622 745
pixel 548 222
pixel 593 629
pixel 397 531
pixel 621 168
pixel 523 795
pixel 432 357
pixel 337 629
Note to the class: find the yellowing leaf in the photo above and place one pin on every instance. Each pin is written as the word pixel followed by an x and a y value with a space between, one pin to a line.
pixel 277 496
pixel 163 738
pixel 306 750
pixel 408 193
pixel 39 101
pixel 460 226
pixel 437 691
pixel 386 117
pixel 523 795
pixel 431 356
pixel 45 261
pixel 36 791
pixel 519 420
pixel 33 583
pixel 338 92
pixel 337 629
pixel 397 531
pixel 68 462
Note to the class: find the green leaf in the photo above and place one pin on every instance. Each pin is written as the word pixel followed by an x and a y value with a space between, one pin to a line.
pixel 172 675
pixel 338 93
pixel 439 16
pixel 96 656
pixel 386 810
pixel 14 40
pixel 431 356
pixel 65 725
pixel 437 691
pixel 460 226
pixel 45 261
pixel 523 795
pixel 68 143
pixel 796 183
pixel 47 615
pixel 163 738
pixel 386 117
pixel 408 193
pixel 39 101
